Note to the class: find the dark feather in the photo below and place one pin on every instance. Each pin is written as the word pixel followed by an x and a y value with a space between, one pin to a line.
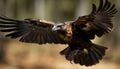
pixel 8 30
pixel 31 31
pixel 93 55
pixel 93 8
pixel 112 7
pixel 100 6
pixel 14 34
pixel 9 19
pixel 107 6
pixel 6 26
pixel 100 19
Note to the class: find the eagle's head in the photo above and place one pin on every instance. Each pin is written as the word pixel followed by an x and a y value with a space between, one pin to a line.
pixel 65 29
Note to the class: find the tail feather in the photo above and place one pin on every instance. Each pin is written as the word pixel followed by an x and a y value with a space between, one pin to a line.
pixel 96 56
pixel 93 57
pixel 79 56
pixel 80 60
pixel 88 61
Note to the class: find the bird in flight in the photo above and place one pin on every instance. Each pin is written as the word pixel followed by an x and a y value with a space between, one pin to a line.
pixel 76 34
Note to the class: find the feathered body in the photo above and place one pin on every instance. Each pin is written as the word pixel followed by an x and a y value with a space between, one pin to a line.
pixel 77 34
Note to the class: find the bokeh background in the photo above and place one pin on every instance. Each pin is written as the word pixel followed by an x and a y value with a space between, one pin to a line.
pixel 20 55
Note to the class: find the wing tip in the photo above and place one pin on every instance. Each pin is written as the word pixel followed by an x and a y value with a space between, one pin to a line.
pixel 105 6
pixel 93 8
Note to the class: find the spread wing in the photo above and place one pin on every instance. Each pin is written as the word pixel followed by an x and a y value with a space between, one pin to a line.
pixel 99 21
pixel 29 30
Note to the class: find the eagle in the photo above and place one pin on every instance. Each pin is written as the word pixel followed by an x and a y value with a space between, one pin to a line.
pixel 77 34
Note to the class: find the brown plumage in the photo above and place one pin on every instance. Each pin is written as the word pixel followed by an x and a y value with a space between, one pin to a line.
pixel 77 34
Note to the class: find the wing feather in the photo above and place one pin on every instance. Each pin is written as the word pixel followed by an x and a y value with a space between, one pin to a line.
pixel 93 8
pixel 100 19
pixel 30 31
pixel 100 5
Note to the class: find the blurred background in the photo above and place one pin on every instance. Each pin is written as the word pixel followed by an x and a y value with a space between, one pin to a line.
pixel 20 55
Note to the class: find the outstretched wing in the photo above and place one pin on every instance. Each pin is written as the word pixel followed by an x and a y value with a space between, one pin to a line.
pixel 30 31
pixel 99 21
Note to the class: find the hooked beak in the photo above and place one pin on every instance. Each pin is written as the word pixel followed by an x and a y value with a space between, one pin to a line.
pixel 55 28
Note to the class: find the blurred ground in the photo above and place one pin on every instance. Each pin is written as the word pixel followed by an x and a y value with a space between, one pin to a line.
pixel 33 56
pixel 52 64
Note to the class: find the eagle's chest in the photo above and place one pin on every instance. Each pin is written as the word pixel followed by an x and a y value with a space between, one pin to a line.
pixel 80 38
